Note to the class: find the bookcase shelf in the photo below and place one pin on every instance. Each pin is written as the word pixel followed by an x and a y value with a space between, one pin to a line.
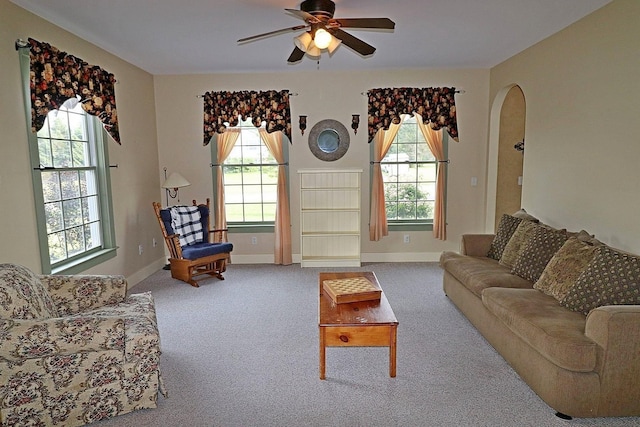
pixel 330 217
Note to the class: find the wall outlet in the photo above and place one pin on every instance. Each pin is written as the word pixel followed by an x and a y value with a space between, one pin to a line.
pixel 406 238
pixel 154 243
pixel 474 181
pixel 254 240
pixel 140 250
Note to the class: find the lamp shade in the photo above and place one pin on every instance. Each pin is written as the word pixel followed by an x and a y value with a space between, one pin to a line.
pixel 303 41
pixel 313 50
pixel 335 42
pixel 175 180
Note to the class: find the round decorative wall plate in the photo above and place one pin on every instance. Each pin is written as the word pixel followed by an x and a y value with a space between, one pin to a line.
pixel 329 140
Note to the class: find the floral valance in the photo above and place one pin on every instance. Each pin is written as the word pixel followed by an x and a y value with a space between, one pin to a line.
pixel 434 104
pixel 57 76
pixel 270 106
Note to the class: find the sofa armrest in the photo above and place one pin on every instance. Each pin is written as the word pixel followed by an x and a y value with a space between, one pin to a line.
pixel 34 339
pixel 616 329
pixel 79 293
pixel 476 244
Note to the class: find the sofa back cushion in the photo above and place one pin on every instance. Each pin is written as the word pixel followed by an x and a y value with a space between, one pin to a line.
pixel 565 267
pixel 541 245
pixel 22 295
pixel 516 243
pixel 506 228
pixel 611 278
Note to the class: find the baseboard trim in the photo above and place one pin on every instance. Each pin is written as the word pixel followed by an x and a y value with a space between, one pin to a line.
pixel 365 257
pixel 145 272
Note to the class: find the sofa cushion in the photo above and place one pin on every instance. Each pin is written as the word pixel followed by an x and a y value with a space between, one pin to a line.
pixel 506 228
pixel 549 328
pixel 611 278
pixel 516 243
pixel 536 252
pixel 479 273
pixel 22 295
pixel 565 267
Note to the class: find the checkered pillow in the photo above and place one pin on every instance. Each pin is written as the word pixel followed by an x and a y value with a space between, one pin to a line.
pixel 185 221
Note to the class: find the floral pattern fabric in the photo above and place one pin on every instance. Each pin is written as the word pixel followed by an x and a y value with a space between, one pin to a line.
pixel 435 105
pixel 270 106
pixel 99 360
pixel 57 76
pixel 22 295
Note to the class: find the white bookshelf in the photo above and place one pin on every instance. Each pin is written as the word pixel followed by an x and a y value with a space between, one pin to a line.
pixel 330 217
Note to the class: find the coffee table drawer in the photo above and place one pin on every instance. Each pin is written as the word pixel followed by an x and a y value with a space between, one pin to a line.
pixel 357 336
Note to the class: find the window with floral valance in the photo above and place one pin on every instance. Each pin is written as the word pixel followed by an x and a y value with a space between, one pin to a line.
pixel 224 107
pixel 435 105
pixel 57 76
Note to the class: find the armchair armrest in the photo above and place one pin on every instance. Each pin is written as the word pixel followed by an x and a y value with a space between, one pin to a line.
pixel 34 339
pixel 219 235
pixel 476 244
pixel 75 294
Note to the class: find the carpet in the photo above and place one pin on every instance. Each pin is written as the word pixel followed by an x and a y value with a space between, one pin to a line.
pixel 244 352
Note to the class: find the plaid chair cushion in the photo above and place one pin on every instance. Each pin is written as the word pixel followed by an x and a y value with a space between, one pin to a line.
pixel 185 221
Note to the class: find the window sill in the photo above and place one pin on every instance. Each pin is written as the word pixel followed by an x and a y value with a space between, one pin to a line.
pixel 410 226
pixel 83 263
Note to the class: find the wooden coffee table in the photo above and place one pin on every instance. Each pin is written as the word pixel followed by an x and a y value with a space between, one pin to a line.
pixel 356 324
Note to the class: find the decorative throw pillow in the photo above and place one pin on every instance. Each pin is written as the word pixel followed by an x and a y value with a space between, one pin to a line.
pixel 506 228
pixel 22 295
pixel 611 278
pixel 536 252
pixel 523 214
pixel 517 241
pixel 565 267
pixel 185 221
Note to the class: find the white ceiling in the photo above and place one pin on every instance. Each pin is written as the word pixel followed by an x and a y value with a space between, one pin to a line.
pixel 200 36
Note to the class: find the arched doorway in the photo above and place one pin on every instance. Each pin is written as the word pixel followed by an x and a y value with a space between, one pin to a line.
pixel 505 160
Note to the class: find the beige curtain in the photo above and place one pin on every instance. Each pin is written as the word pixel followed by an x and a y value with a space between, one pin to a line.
pixel 434 141
pixel 378 227
pixel 282 254
pixel 225 142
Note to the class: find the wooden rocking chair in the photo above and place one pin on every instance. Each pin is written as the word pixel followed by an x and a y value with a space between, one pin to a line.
pixel 206 253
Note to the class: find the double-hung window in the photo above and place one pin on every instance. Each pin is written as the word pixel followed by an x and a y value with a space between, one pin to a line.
pixel 72 191
pixel 250 180
pixel 409 173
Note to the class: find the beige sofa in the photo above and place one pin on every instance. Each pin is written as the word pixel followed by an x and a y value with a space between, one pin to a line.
pixel 579 350
pixel 74 349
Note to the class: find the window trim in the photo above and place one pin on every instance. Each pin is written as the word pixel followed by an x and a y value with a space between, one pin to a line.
pixel 250 226
pixel 411 225
pixel 92 258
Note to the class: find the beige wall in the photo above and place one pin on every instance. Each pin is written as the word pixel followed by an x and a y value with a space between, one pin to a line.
pixel 135 182
pixel 509 191
pixel 331 95
pixel 583 100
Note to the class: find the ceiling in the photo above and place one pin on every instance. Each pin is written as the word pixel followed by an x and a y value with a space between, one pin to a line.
pixel 200 36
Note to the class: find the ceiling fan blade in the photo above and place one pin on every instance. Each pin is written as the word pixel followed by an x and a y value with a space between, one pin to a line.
pixel 302 14
pixel 273 33
pixel 354 43
pixel 296 55
pixel 382 23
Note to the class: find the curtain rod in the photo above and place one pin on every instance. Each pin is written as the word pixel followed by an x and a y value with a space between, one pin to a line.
pixel 21 43
pixel 291 94
pixel 461 91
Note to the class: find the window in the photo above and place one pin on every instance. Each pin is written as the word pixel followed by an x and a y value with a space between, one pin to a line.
pixel 72 191
pixel 250 180
pixel 409 173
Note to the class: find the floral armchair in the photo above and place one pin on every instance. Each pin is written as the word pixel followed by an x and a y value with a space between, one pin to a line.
pixel 74 349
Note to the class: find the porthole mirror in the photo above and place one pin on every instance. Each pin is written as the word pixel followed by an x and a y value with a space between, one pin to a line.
pixel 329 140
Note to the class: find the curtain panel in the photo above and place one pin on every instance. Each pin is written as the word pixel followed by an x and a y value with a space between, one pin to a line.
pixel 270 106
pixel 435 105
pixel 57 76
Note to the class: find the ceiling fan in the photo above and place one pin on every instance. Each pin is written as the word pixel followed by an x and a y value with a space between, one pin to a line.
pixel 323 31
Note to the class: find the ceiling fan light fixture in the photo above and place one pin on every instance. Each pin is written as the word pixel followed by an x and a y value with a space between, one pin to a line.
pixel 335 42
pixel 322 38
pixel 313 50
pixel 303 41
